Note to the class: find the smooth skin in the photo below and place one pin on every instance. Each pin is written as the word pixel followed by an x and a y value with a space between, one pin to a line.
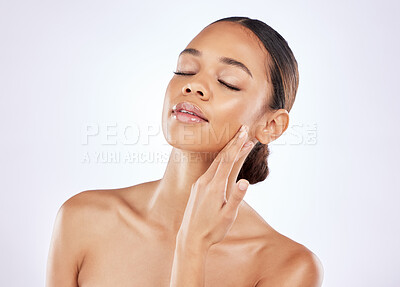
pixel 192 226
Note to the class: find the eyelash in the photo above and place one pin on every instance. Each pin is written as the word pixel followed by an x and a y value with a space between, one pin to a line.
pixel 225 84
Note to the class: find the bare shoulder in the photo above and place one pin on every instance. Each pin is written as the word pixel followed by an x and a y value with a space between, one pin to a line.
pixel 86 206
pixel 282 261
pixel 79 215
pixel 76 225
pixel 83 209
pixel 299 267
pixel 90 211
pixel 87 214
pixel 80 212
pixel 89 206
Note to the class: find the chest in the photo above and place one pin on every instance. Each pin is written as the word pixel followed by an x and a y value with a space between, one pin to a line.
pixel 129 260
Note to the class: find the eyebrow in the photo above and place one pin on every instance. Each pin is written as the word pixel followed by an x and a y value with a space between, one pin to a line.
pixel 225 60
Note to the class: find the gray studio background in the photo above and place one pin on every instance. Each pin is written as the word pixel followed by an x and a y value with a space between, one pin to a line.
pixel 75 74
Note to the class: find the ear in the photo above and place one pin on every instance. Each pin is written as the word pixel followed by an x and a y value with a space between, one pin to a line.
pixel 272 126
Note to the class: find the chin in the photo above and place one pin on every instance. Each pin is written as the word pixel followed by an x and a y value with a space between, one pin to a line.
pixel 196 137
pixel 187 136
pixel 192 137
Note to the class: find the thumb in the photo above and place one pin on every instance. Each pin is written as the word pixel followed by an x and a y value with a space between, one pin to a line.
pixel 237 194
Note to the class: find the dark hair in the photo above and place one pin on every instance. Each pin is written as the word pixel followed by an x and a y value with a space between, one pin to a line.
pixel 284 77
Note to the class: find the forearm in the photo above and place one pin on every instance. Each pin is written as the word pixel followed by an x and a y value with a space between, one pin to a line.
pixel 188 267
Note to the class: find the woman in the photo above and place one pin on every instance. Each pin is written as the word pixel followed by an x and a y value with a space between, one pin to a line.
pixel 230 96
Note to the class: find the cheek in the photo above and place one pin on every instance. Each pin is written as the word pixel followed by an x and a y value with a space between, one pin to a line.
pixel 235 111
pixel 228 116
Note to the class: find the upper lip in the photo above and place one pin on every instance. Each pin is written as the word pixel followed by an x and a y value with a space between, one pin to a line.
pixel 190 108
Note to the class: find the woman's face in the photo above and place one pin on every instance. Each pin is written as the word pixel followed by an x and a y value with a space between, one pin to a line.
pixel 222 54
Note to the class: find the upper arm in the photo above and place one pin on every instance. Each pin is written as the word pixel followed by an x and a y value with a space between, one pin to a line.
pixel 303 269
pixel 66 251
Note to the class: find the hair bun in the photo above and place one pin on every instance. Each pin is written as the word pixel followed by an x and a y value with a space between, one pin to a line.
pixel 255 167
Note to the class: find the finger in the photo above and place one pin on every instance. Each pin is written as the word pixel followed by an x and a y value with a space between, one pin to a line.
pixel 229 157
pixel 210 173
pixel 243 154
pixel 246 148
pixel 236 196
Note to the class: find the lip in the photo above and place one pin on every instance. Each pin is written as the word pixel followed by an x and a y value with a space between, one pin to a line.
pixel 187 106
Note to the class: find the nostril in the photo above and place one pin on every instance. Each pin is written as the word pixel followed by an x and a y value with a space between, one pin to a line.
pixel 188 90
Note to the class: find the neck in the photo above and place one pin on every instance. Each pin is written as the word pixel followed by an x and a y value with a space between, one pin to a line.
pixel 172 192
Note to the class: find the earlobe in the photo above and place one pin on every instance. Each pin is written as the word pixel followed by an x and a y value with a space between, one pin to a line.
pixel 263 134
pixel 274 128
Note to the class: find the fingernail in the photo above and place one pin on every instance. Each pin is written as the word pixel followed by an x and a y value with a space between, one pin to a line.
pixel 242 134
pixel 243 185
pixel 243 131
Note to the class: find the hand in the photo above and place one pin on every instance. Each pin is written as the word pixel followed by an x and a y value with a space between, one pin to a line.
pixel 209 215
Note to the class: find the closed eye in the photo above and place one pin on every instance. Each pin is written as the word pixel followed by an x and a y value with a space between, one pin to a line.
pixel 222 82
pixel 229 86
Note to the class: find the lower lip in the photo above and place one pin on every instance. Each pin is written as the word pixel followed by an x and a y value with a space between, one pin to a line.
pixel 187 118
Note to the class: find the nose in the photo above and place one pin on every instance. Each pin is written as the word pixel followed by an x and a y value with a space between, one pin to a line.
pixel 189 89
